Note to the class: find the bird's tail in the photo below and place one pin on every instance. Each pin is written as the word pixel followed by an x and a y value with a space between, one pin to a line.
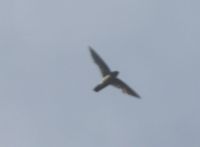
pixel 100 87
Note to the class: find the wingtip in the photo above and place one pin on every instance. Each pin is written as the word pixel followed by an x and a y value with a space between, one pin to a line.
pixel 92 51
pixel 137 96
pixel 90 48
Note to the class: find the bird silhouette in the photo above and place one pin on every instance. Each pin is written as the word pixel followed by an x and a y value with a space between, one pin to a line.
pixel 110 77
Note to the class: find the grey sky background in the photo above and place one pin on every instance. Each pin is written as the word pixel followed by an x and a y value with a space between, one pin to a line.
pixel 47 74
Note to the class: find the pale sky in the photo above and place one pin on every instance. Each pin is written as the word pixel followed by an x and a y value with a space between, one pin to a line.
pixel 47 74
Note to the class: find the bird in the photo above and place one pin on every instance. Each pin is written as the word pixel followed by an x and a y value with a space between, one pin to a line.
pixel 110 77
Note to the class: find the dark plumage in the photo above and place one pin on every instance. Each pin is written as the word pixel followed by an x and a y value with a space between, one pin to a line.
pixel 110 77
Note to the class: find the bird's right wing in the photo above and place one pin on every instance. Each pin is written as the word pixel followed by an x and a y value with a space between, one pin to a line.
pixel 125 88
pixel 99 61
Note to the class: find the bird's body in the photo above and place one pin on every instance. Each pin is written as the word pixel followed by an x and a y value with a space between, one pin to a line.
pixel 106 78
pixel 110 77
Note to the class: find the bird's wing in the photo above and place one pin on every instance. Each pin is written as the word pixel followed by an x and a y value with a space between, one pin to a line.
pixel 125 88
pixel 99 61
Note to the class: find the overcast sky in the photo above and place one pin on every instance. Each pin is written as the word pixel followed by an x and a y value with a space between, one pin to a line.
pixel 47 75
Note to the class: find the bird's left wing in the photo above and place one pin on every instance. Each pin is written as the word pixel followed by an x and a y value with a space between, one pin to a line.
pixel 125 88
pixel 99 61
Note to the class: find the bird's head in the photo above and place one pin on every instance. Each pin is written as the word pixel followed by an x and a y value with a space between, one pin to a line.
pixel 115 73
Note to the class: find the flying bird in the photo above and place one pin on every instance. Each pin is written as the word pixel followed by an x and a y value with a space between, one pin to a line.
pixel 110 77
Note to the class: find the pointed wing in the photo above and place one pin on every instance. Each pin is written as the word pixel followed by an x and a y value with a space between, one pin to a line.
pixel 99 61
pixel 125 88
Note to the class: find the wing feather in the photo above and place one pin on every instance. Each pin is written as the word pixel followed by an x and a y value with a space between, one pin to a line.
pixel 99 61
pixel 125 88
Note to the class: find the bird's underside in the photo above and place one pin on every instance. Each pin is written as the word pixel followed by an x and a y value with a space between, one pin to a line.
pixel 109 77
